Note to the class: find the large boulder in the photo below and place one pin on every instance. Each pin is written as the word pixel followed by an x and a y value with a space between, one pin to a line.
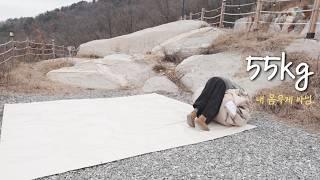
pixel 298 28
pixel 139 42
pixel 274 28
pixel 308 46
pixel 286 21
pixel 287 26
pixel 284 24
pixel 196 70
pixel 159 83
pixel 307 27
pixel 244 24
pixel 190 43
pixel 112 72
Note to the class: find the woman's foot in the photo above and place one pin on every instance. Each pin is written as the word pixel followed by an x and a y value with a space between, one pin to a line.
pixel 190 118
pixel 201 122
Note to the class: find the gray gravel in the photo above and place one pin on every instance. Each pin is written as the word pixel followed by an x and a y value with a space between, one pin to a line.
pixel 270 151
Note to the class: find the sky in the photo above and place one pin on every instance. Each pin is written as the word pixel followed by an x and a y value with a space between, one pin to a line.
pixel 29 8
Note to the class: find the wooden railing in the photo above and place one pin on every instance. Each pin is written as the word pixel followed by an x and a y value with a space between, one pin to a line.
pixel 14 52
pixel 216 17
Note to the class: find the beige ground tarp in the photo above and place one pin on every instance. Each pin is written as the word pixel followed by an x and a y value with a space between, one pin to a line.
pixel 45 138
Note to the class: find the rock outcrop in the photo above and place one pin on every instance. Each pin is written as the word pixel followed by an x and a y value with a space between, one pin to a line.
pixel 244 24
pixel 307 26
pixel 188 44
pixel 159 83
pixel 196 70
pixel 139 42
pixel 112 72
pixel 280 22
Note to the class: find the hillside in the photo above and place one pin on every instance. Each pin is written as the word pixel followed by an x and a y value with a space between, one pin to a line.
pixel 86 21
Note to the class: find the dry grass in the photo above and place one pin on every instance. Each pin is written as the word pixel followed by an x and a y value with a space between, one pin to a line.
pixel 176 78
pixel 159 68
pixel 252 43
pixel 31 78
pixel 91 56
pixel 305 116
pixel 175 58
pixel 168 69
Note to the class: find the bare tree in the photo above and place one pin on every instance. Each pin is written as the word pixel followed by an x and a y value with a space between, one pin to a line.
pixel 164 9
pixel 130 16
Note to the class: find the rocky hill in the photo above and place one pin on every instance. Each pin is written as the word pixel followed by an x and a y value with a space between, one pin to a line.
pixel 86 21
pixel 186 52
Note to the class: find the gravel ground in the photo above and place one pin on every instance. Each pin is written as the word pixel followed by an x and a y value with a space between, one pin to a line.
pixel 270 151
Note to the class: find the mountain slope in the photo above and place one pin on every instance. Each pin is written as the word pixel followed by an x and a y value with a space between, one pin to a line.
pixel 85 21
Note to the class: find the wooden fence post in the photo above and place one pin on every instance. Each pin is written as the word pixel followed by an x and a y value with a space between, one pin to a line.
pixel 314 20
pixel 53 49
pixel 190 16
pixel 3 70
pixel 26 54
pixel 29 49
pixel 257 16
pixel 11 64
pixel 32 50
pixel 69 50
pixel 14 47
pixel 223 8
pixel 64 52
pixel 42 50
pixel 185 17
pixel 202 14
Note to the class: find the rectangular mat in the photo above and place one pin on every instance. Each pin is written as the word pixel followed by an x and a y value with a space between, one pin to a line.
pixel 45 138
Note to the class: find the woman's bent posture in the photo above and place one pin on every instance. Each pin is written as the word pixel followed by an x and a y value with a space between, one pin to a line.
pixel 221 100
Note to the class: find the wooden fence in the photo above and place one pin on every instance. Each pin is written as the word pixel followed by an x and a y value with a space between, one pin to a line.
pixel 216 17
pixel 14 52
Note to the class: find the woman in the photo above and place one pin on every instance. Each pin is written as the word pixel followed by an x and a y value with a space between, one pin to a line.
pixel 207 106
